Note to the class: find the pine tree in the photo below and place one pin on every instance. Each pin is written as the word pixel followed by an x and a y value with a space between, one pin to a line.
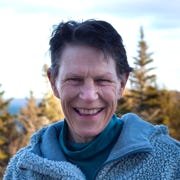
pixel 170 105
pixel 50 104
pixel 39 112
pixel 124 104
pixel 30 119
pixel 144 92
pixel 174 117
pixel 51 108
pixel 7 132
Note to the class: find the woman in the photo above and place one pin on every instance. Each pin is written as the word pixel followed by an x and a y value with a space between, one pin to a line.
pixel 88 74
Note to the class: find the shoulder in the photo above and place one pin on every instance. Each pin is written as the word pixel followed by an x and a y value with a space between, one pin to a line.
pixel 165 144
pixel 36 138
pixel 165 151
pixel 154 133
pixel 11 170
pixel 134 126
pixel 54 127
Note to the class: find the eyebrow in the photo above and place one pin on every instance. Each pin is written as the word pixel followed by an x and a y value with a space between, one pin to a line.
pixel 98 75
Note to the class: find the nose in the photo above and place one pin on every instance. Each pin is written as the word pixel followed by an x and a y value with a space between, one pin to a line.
pixel 89 91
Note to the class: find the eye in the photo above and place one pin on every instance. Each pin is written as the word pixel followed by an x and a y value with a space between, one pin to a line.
pixel 74 80
pixel 103 81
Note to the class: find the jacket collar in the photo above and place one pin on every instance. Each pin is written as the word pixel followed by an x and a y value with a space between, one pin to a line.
pixel 134 137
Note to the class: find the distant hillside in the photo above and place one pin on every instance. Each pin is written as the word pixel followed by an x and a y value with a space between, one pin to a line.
pixel 16 105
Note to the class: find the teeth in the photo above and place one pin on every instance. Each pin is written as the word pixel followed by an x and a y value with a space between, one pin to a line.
pixel 88 111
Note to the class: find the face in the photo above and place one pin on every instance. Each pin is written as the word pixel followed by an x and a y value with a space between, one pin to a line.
pixel 88 87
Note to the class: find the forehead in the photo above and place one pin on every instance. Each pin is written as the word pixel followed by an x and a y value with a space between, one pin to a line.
pixel 79 58
pixel 81 51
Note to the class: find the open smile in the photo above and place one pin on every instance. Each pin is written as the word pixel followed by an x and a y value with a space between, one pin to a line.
pixel 82 111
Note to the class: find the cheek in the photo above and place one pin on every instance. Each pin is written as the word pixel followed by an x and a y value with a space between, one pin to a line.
pixel 67 92
pixel 110 93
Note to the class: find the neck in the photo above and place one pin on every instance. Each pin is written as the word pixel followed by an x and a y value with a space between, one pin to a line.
pixel 72 137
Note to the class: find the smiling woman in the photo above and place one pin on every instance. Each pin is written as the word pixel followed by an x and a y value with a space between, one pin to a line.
pixel 88 73
pixel 89 88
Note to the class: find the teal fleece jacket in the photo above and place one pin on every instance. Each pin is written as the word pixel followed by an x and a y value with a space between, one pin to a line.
pixel 142 151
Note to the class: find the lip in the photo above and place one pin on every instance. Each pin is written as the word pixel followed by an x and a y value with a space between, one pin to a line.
pixel 88 112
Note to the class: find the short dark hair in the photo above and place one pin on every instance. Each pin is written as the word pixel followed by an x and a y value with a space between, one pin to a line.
pixel 94 33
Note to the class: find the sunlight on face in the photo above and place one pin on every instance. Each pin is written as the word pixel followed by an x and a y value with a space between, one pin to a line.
pixel 89 88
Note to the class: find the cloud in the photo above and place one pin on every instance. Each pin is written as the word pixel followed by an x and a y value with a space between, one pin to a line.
pixel 26 27
pixel 57 7
pixel 162 14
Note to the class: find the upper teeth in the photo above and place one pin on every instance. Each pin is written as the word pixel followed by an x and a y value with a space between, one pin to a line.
pixel 88 111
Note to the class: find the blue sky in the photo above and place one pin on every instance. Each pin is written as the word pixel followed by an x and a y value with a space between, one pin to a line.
pixel 26 27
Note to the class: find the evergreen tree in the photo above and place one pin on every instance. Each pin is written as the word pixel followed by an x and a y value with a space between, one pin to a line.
pixel 50 104
pixel 39 112
pixel 170 105
pixel 51 108
pixel 124 104
pixel 30 119
pixel 144 92
pixel 7 132
pixel 174 119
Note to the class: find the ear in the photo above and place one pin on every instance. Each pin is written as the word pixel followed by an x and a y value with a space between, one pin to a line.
pixel 123 81
pixel 52 81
